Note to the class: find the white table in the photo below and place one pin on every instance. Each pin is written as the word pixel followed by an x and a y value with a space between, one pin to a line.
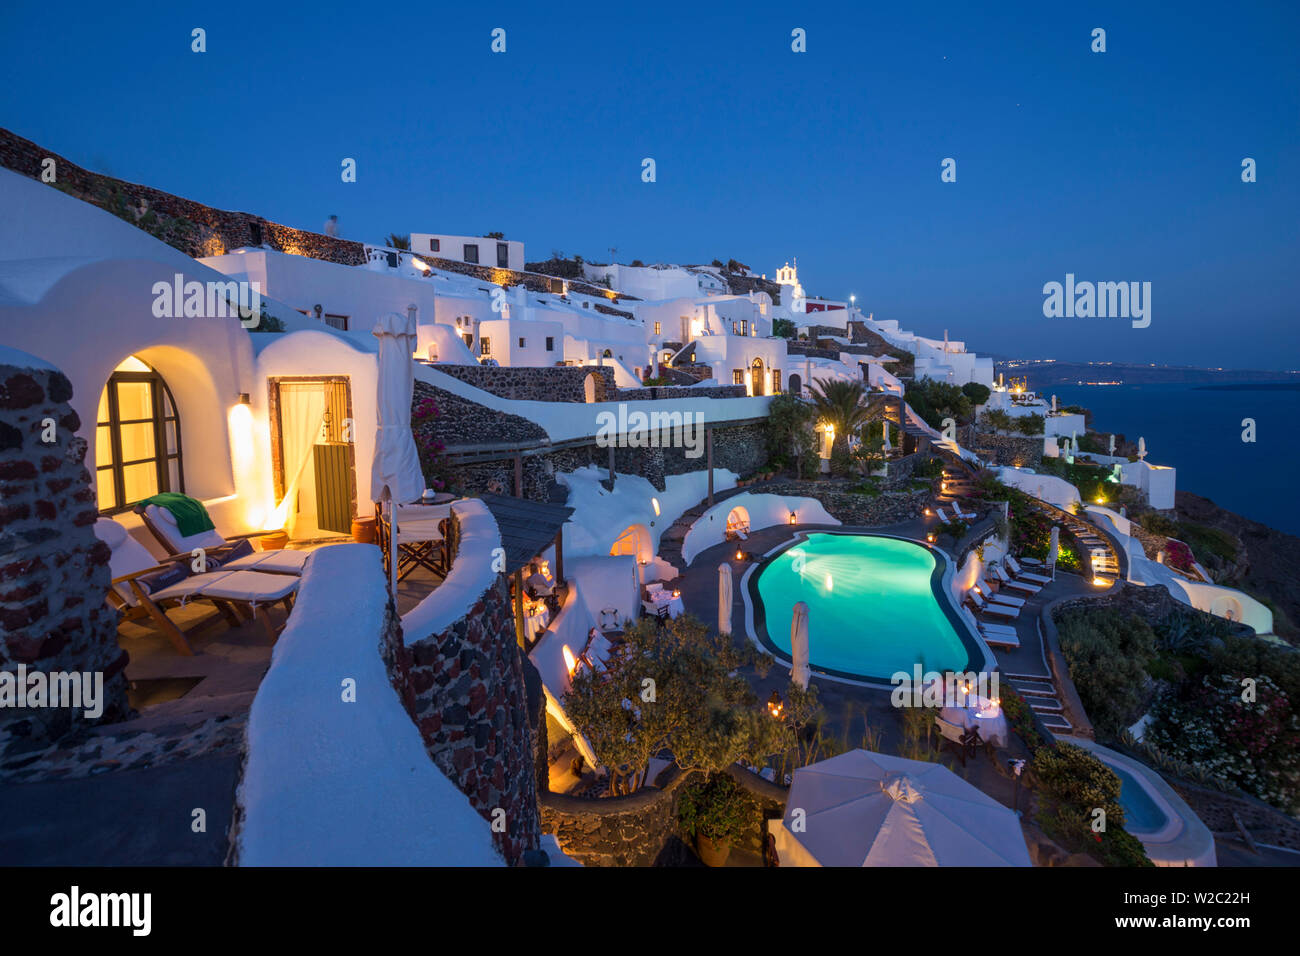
pixel 985 715
pixel 664 599
pixel 536 619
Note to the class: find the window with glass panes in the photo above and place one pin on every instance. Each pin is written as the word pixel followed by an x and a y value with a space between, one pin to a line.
pixel 137 438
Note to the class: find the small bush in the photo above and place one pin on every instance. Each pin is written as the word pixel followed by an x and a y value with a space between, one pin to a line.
pixel 717 807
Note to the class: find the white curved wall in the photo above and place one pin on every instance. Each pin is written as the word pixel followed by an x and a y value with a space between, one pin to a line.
pixel 765 511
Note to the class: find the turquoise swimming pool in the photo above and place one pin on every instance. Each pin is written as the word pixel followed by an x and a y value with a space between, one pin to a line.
pixel 875 607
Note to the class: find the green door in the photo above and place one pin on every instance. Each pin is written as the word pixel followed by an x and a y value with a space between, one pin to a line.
pixel 333 489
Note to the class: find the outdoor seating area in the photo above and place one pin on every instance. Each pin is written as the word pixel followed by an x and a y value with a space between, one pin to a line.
pixel 661 602
pixel 144 588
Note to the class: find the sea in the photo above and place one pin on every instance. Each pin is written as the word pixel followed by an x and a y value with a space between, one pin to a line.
pixel 1198 429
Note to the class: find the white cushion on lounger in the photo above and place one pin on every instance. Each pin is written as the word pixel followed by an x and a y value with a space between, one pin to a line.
pixel 998 597
pixel 1004 640
pixel 166 523
pixel 272 562
pixel 126 555
pixel 252 587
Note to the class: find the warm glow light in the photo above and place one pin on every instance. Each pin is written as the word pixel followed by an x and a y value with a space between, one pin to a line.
pixel 792 517
pixel 655 503
pixel 930 537
pixel 570 664
pixel 1101 582
pixel 740 555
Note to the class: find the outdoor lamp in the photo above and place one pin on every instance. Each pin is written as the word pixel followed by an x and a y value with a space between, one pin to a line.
pixel 792 517
pixel 776 706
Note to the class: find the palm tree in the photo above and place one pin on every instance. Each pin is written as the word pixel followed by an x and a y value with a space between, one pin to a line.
pixel 399 242
pixel 839 404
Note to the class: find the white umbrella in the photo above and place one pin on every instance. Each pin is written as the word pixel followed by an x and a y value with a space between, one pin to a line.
pixel 1112 444
pixel 886 446
pixel 1053 404
pixel 724 598
pixel 1142 447
pixel 869 809
pixel 800 672
pixel 395 474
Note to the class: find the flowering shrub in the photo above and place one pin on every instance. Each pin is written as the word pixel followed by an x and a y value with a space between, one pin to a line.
pixel 429 448
pixel 1178 555
pixel 1254 744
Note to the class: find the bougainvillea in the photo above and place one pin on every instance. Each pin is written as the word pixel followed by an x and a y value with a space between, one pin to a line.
pixel 429 448
pixel 1178 555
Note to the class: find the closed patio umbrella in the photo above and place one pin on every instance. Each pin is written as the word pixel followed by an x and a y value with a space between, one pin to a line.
pixel 724 598
pixel 395 474
pixel 801 671
pixel 1054 549
pixel 870 809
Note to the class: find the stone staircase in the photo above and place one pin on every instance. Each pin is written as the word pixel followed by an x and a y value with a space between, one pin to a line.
pixel 674 536
pixel 1093 545
pixel 1041 695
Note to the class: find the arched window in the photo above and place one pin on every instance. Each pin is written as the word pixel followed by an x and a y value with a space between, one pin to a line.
pixel 137 438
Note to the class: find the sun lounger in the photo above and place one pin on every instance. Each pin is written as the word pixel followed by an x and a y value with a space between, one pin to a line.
pixel 998 596
pixel 143 588
pixel 1001 639
pixel 1014 567
pixel 235 553
pixel 943 515
pixel 963 515
pixel 1025 587
pixel 989 607
pixel 990 626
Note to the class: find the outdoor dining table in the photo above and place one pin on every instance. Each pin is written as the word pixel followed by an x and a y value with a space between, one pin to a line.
pixel 664 599
pixel 536 617
pixel 983 714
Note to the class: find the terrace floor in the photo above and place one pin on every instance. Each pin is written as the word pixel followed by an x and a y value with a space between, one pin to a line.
pixel 124 793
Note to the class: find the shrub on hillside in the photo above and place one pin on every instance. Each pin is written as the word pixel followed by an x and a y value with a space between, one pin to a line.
pixel 1239 727
pixel 1073 786
pixel 1107 653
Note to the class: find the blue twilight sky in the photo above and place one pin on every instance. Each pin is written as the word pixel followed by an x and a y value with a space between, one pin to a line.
pixel 1117 166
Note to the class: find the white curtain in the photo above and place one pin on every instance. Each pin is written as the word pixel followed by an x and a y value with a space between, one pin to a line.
pixel 302 409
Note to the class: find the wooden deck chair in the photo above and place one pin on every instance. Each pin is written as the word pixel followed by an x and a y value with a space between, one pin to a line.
pixel 143 589
pixel 234 553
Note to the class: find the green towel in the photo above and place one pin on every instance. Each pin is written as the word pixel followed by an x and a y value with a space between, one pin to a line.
pixel 191 517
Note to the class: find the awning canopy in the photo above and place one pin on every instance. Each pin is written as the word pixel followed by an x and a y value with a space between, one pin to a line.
pixel 527 528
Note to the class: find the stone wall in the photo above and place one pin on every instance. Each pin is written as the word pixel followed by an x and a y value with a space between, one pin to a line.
pixel 461 422
pixel 901 469
pixel 686 373
pixel 193 228
pixel 1018 450
pixel 552 383
pixel 532 281
pixel 659 392
pixel 466 692
pixel 858 510
pixel 799 348
pixel 54 572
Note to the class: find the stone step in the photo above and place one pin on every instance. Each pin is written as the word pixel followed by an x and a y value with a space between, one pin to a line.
pixel 1057 723
pixel 1035 688
pixel 1045 705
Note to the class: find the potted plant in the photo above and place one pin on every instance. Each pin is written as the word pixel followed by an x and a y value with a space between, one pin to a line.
pixel 714 812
